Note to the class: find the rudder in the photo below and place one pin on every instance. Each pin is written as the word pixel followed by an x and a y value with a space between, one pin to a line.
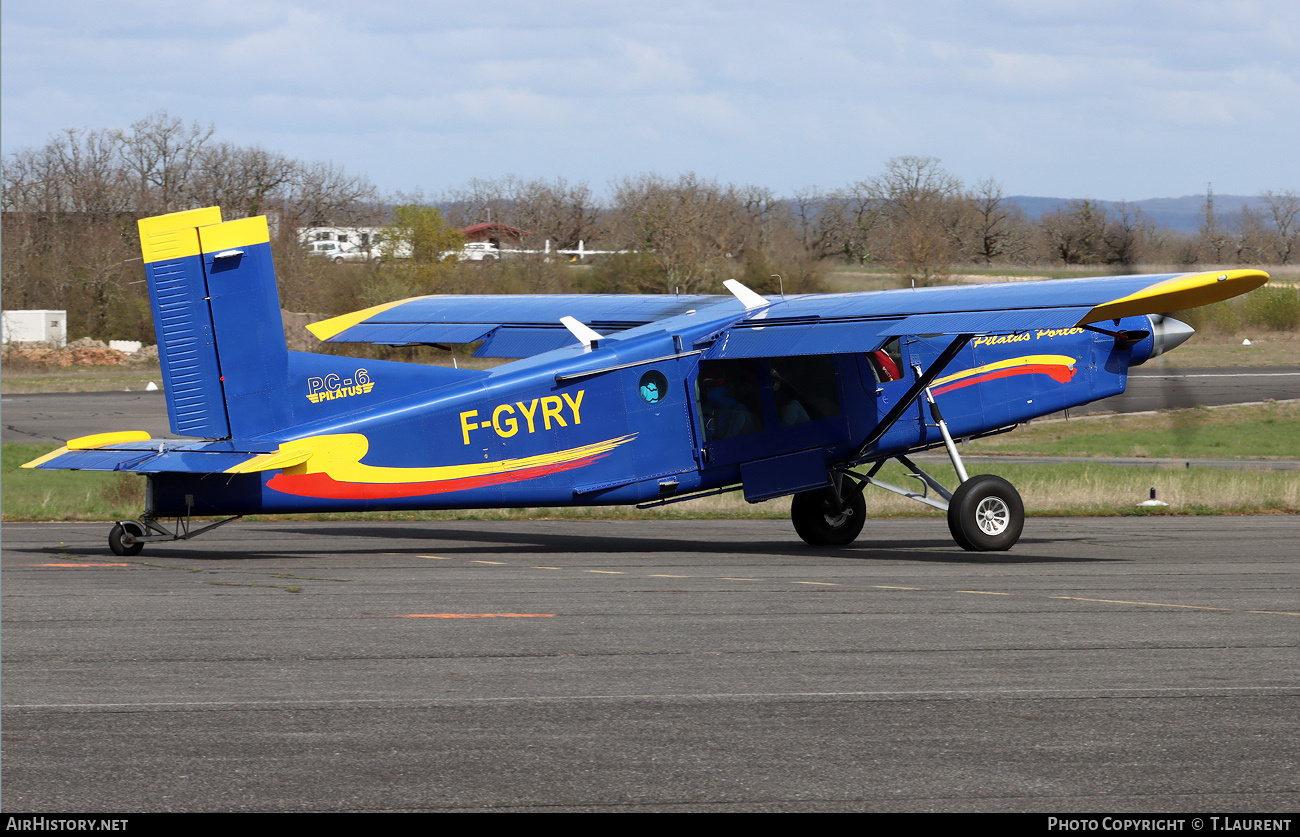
pixel 217 319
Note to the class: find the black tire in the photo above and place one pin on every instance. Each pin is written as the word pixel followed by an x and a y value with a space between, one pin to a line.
pixel 986 514
pixel 822 521
pixel 115 540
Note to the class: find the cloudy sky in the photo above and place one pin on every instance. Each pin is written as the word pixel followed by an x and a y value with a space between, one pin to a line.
pixel 1104 99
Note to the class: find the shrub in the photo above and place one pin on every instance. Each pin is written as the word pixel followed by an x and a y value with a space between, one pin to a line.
pixel 1275 307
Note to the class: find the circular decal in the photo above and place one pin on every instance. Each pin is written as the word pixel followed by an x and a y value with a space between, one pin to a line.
pixel 654 386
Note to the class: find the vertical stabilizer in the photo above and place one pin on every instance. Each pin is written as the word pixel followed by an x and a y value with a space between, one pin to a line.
pixel 182 322
pixel 217 318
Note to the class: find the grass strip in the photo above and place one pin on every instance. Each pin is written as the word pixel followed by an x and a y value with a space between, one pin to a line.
pixel 1053 489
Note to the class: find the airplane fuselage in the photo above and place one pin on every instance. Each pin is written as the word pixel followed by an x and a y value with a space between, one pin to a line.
pixel 640 418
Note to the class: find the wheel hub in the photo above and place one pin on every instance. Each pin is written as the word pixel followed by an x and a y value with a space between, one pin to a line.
pixel 992 516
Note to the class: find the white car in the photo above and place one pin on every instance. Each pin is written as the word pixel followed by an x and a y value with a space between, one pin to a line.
pixel 338 251
pixel 479 251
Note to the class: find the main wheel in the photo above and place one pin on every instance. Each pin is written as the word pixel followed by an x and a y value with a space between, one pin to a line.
pixel 821 520
pixel 116 534
pixel 986 514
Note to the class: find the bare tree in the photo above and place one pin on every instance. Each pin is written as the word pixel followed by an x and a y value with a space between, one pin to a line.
pixel 923 210
pixel 690 226
pixel 1126 236
pixel 160 153
pixel 76 171
pixel 323 194
pixel 1075 233
pixel 997 224
pixel 549 210
pixel 1284 213
pixel 243 181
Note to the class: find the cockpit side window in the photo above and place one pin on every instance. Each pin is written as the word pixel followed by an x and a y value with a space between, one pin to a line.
pixel 887 362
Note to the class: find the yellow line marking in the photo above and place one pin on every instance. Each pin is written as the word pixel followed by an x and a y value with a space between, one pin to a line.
pixel 1166 604
pixel 887 587
pixel 487 562
pixel 983 592
pixel 819 583
pixel 546 568
pixel 77 565
pixel 605 572
pixel 434 557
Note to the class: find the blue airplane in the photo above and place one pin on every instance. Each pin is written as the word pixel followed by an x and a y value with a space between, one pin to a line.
pixel 637 399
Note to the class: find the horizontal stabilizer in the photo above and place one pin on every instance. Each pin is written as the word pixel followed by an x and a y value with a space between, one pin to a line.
pixel 146 456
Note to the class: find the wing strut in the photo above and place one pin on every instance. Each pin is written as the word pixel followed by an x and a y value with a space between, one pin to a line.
pixel 918 386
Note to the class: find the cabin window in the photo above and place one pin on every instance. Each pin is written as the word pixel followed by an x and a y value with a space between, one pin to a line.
pixel 804 388
pixel 730 398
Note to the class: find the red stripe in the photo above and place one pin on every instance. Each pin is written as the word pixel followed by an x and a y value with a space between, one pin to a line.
pixel 325 486
pixel 1057 371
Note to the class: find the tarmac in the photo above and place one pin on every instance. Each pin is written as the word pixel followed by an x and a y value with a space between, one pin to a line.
pixel 1103 665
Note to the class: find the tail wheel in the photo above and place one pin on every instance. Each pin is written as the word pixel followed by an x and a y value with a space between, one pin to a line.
pixel 986 514
pixel 822 519
pixel 122 538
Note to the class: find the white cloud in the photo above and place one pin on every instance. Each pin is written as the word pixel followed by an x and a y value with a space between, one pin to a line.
pixel 1083 97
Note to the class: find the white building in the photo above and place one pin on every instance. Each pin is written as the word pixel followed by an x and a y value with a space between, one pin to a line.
pixel 35 326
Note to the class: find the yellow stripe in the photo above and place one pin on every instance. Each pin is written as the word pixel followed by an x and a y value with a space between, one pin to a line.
pixel 1188 291
pixel 174 236
pixel 271 461
pixel 1058 360
pixel 100 440
pixel 340 456
pixel 325 329
pixel 244 232
pixel 41 460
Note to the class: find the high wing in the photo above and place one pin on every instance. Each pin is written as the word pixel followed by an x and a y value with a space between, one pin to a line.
pixel 753 326
pixel 509 325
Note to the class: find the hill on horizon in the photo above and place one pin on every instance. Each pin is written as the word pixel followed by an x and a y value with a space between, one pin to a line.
pixel 1181 214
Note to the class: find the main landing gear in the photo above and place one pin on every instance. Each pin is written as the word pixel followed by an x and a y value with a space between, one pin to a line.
pixel 831 516
pixel 985 513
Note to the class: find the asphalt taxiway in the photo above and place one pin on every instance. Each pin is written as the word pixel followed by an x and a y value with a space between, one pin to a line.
pixel 1103 665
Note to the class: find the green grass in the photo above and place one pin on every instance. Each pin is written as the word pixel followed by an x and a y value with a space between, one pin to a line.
pixel 1054 489
pixel 1264 431
pixel 27 378
pixel 64 495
